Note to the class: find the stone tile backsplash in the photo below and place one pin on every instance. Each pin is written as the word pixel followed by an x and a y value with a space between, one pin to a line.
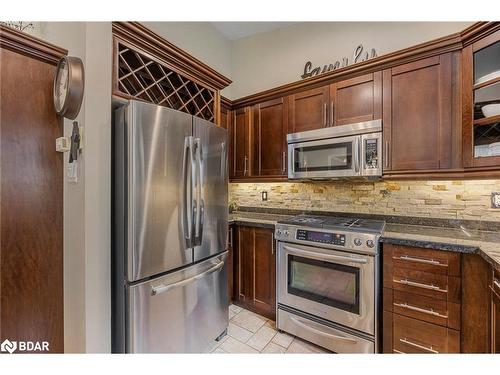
pixel 458 199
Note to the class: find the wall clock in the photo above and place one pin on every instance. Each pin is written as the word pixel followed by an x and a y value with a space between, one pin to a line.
pixel 69 85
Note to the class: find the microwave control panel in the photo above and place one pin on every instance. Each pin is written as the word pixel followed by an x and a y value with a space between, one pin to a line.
pixel 371 153
pixel 321 237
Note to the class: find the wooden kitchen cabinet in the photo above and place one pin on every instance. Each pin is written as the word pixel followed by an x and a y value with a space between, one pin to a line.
pixel 240 143
pixel 270 124
pixel 345 102
pixel 308 110
pixel 421 300
pixel 356 100
pixel 417 115
pixel 495 313
pixel 255 270
pixel 225 116
pixel 230 263
pixel 481 87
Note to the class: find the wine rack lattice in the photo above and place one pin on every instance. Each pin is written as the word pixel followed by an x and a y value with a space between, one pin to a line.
pixel 143 78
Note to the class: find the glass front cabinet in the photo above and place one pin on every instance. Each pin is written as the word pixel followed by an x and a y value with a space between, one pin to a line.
pixel 481 102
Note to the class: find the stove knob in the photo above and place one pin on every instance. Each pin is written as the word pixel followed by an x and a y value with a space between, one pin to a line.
pixel 357 242
pixel 286 232
pixel 278 232
pixel 370 243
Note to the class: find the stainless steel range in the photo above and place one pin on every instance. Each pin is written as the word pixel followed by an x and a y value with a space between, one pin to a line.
pixel 327 287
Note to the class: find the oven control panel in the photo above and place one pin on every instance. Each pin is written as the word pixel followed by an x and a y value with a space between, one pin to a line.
pixel 321 237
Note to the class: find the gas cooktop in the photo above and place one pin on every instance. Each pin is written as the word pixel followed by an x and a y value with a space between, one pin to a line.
pixel 335 222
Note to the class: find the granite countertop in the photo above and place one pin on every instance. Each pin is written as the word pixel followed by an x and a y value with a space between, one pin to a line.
pixel 484 243
pixel 268 220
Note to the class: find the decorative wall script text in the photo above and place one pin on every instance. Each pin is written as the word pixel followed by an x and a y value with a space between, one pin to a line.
pixel 358 56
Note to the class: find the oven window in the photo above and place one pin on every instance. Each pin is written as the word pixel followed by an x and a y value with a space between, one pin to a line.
pixel 329 157
pixel 328 283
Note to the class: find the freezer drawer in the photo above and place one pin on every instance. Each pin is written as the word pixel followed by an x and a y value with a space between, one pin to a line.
pixel 334 339
pixel 182 312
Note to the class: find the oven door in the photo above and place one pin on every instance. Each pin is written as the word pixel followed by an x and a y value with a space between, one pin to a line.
pixel 326 158
pixel 333 285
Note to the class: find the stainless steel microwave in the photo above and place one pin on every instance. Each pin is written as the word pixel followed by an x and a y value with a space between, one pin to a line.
pixel 353 150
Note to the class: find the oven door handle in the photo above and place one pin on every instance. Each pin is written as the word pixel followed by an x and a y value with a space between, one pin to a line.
pixel 325 256
pixel 322 333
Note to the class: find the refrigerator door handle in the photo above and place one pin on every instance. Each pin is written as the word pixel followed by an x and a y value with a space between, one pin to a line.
pixel 166 287
pixel 199 200
pixel 187 216
pixel 194 199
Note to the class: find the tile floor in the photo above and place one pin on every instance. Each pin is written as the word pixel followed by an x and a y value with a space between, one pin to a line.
pixel 252 333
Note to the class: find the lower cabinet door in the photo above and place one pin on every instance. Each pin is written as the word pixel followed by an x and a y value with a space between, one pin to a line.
pixel 265 273
pixel 255 270
pixel 495 321
pixel 414 336
pixel 181 312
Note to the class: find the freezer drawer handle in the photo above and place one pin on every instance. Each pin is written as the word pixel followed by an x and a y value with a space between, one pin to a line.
pixel 319 332
pixel 164 288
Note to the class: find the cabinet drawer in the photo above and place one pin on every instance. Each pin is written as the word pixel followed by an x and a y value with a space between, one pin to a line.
pixel 414 336
pixel 427 309
pixel 440 287
pixel 432 261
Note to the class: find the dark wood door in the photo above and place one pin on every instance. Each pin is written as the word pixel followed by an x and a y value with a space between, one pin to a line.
pixel 245 264
pixel 31 203
pixel 265 273
pixel 225 117
pixel 417 100
pixel 495 314
pixel 270 124
pixel 230 264
pixel 308 109
pixel 255 270
pixel 241 142
pixel 356 100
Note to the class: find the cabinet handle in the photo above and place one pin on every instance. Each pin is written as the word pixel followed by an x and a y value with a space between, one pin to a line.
pixel 331 113
pixel 386 158
pixel 231 236
pixel 419 309
pixel 324 116
pixel 428 349
pixel 420 260
pixel 283 169
pixel 245 167
pixel 420 285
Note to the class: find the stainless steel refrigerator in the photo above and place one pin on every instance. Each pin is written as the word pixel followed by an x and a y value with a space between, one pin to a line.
pixel 170 223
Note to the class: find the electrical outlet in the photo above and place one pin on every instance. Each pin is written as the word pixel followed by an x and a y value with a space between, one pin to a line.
pixel 263 195
pixel 495 200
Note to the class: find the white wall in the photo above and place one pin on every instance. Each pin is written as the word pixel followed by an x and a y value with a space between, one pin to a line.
pixel 277 57
pixel 200 39
pixel 87 268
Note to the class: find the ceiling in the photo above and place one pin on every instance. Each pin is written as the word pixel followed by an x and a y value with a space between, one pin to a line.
pixel 237 30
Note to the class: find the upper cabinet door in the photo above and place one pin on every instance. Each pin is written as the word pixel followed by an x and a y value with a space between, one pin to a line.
pixel 481 102
pixel 308 110
pixel 240 136
pixel 417 115
pixel 356 100
pixel 270 124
